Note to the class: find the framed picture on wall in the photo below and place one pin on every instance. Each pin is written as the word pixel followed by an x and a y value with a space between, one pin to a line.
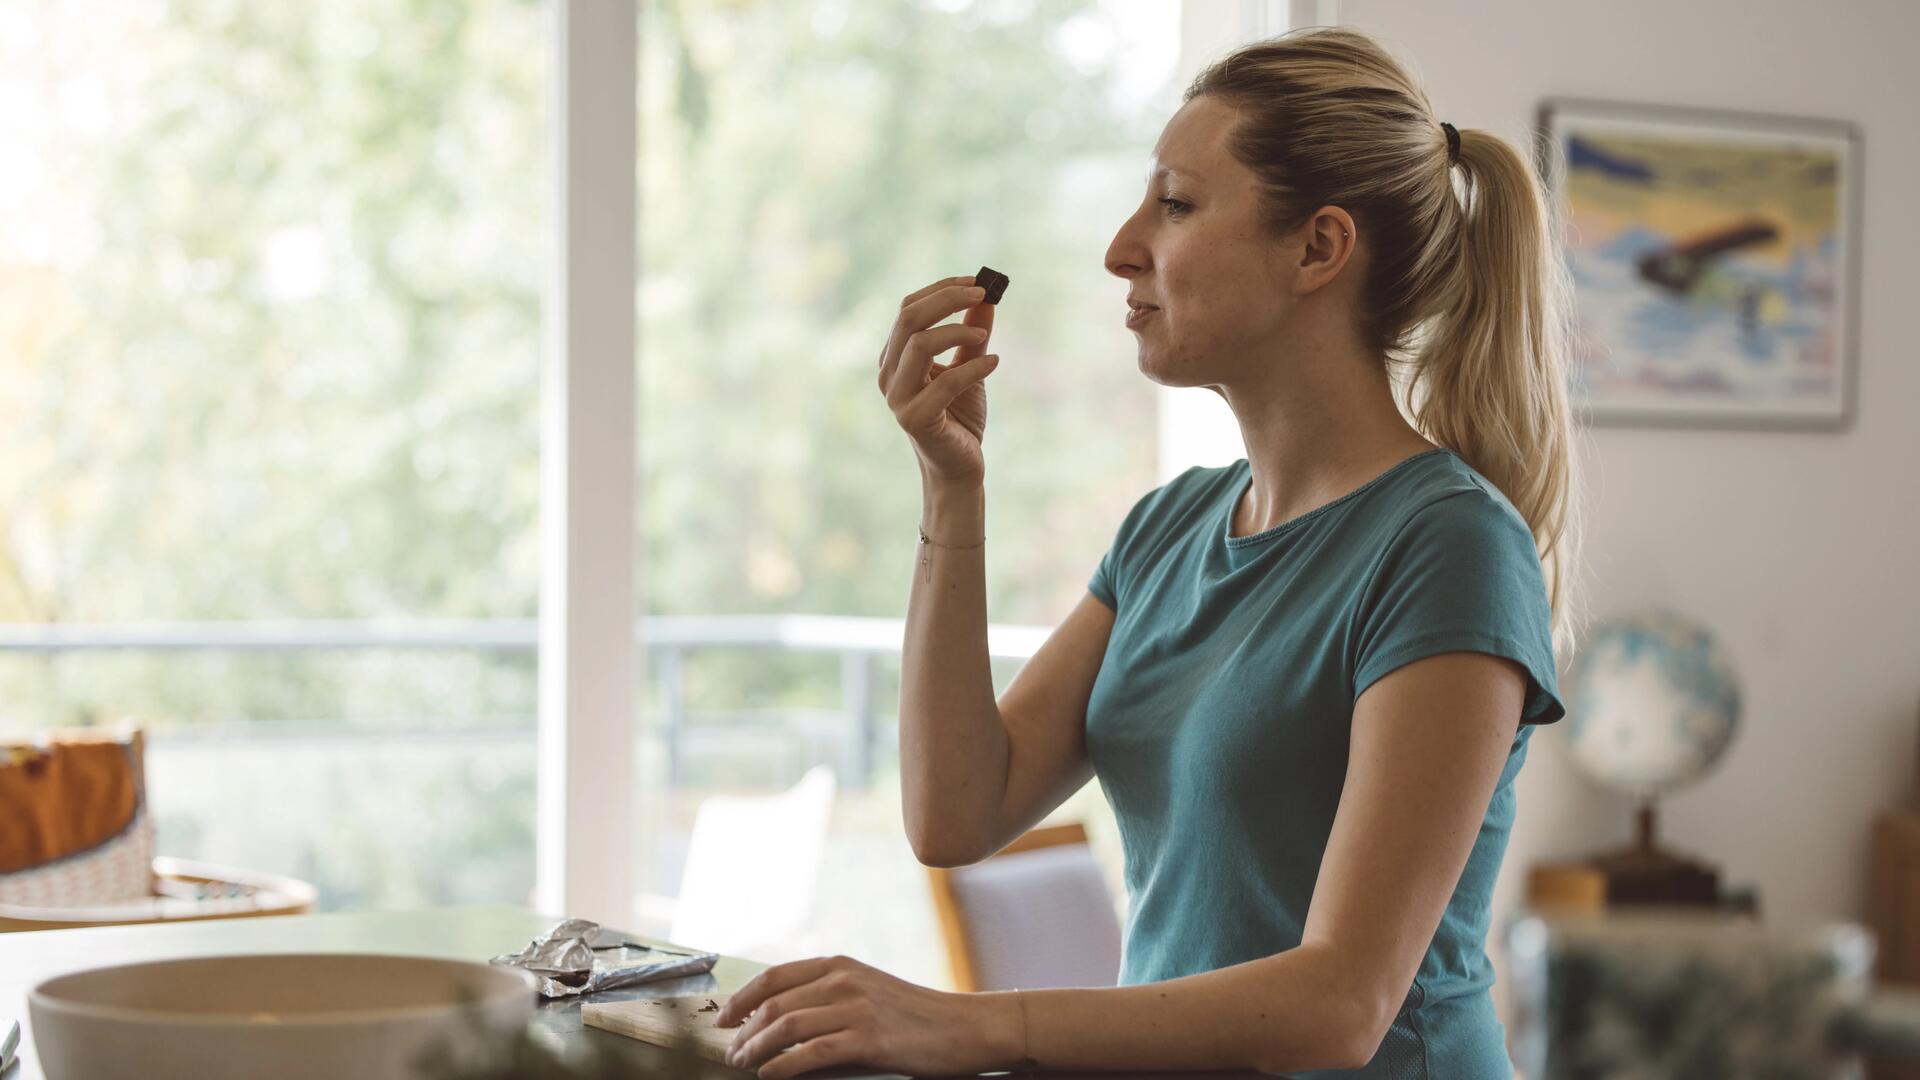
pixel 1715 259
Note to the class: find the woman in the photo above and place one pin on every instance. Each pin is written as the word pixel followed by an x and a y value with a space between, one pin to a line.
pixel 1306 680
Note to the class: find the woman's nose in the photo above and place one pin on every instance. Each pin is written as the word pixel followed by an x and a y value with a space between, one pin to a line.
pixel 1126 256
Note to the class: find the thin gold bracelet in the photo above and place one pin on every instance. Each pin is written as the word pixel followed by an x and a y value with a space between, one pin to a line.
pixel 926 557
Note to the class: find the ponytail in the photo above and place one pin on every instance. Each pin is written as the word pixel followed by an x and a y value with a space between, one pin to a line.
pixel 1490 381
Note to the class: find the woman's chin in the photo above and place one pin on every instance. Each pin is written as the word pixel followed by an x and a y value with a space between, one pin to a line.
pixel 1152 366
pixel 1145 363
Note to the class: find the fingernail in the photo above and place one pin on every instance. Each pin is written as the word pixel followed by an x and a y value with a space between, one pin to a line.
pixel 978 333
pixel 977 292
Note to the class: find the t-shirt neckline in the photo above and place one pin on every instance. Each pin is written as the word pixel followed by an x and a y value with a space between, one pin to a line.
pixel 1238 490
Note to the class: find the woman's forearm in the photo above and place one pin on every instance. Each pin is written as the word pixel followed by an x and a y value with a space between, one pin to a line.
pixel 1283 1013
pixel 953 745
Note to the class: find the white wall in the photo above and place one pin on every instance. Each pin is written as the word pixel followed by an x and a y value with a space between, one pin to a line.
pixel 1800 549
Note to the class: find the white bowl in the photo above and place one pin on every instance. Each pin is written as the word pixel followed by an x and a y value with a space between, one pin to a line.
pixel 289 1016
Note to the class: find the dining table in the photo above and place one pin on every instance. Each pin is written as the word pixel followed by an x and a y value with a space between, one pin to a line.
pixel 464 933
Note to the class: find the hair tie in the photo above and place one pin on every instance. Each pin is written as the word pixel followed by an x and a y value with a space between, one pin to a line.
pixel 1453 142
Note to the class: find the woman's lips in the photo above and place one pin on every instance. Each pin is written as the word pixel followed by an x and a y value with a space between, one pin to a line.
pixel 1137 315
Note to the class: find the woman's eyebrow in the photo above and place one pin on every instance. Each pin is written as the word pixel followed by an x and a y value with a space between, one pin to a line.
pixel 1173 170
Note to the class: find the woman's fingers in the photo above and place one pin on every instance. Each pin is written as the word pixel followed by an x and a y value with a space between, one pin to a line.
pixel 923 412
pixel 981 316
pixel 775 980
pixel 918 314
pixel 796 1026
pixel 921 347
pixel 907 301
pixel 962 280
pixel 841 1048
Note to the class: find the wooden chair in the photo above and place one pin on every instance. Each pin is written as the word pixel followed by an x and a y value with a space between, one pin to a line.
pixel 1038 913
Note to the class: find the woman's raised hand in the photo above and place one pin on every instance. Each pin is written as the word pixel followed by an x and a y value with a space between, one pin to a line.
pixel 942 408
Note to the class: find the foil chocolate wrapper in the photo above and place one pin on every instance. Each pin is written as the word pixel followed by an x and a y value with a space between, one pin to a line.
pixel 580 957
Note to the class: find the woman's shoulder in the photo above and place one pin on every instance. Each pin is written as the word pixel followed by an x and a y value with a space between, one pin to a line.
pixel 1446 495
pixel 1459 570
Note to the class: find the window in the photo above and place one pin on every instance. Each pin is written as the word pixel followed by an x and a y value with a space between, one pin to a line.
pixel 269 353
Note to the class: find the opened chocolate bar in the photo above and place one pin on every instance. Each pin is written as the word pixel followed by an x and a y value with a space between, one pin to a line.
pixel 580 957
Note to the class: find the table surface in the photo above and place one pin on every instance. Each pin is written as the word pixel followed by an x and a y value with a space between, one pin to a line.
pixel 458 933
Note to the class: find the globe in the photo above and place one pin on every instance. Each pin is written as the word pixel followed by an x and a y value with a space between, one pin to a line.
pixel 1652 703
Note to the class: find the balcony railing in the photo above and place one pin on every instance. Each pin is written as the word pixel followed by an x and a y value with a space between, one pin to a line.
pixel 667 641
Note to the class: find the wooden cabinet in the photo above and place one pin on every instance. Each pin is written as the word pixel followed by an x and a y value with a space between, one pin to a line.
pixel 1893 909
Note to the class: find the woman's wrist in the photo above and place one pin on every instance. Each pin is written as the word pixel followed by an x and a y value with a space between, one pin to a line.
pixel 999 1027
pixel 953 514
pixel 932 483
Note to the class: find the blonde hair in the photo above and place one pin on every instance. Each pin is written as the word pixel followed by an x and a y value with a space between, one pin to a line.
pixel 1466 293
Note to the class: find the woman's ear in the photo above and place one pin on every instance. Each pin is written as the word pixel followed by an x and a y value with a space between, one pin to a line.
pixel 1327 242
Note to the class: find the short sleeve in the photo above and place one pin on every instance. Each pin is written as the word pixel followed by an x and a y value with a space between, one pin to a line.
pixel 1105 583
pixel 1108 582
pixel 1102 583
pixel 1461 575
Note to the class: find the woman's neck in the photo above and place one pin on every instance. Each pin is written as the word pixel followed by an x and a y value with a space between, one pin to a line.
pixel 1331 428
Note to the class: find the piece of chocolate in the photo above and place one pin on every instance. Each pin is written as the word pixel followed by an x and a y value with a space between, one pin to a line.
pixel 993 281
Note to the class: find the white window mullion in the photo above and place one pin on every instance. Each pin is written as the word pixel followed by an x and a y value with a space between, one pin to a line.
pixel 587 598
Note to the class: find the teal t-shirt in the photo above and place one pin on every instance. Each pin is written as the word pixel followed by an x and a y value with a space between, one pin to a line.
pixel 1219 722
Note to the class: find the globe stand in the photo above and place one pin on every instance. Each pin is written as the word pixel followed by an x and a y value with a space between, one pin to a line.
pixel 1645 874
pixel 1642 875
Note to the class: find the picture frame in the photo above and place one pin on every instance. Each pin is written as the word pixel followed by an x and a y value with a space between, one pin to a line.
pixel 1715 260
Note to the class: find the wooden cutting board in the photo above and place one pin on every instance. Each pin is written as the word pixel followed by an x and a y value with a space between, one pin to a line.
pixel 661 1022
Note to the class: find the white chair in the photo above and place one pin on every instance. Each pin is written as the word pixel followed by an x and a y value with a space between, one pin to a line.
pixel 752 862
pixel 1037 914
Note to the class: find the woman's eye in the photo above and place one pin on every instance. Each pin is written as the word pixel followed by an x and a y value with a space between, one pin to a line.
pixel 1175 207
